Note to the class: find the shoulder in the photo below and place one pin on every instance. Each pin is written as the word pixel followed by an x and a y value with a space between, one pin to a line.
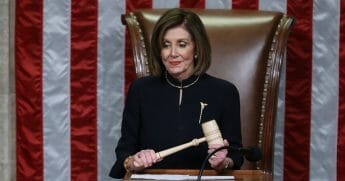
pixel 221 90
pixel 142 86
pixel 144 83
pixel 219 83
pixel 147 81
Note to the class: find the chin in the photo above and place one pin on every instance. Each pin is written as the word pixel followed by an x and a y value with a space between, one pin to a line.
pixel 174 71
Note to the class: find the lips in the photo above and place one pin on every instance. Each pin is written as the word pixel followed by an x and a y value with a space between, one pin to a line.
pixel 174 63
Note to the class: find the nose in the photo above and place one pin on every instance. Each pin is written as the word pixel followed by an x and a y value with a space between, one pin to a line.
pixel 173 52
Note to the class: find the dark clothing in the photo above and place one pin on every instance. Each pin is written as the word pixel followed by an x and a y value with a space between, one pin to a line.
pixel 153 119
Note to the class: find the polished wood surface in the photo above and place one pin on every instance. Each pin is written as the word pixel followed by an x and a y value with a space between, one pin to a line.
pixel 246 175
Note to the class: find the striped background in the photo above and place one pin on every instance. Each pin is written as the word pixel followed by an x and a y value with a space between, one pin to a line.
pixel 73 66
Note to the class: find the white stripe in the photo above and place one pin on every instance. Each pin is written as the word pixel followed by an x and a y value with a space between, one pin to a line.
pixel 7 93
pixel 278 167
pixel 56 90
pixel 325 76
pixel 218 4
pixel 110 82
pixel 273 5
pixel 162 4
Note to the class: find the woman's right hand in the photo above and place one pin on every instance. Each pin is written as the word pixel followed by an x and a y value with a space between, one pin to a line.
pixel 144 159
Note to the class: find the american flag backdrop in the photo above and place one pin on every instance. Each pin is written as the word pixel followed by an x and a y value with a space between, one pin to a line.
pixel 73 66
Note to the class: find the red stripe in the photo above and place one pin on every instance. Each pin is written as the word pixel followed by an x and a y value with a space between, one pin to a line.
pixel 28 72
pixel 129 65
pixel 132 5
pixel 84 90
pixel 245 4
pixel 192 4
pixel 341 118
pixel 298 92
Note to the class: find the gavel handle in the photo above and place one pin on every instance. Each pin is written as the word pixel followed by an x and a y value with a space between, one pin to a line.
pixel 167 152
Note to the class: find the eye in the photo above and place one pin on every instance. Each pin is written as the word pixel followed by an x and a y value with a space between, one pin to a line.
pixel 182 44
pixel 165 44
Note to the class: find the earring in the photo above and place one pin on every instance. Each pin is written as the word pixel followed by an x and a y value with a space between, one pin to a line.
pixel 195 56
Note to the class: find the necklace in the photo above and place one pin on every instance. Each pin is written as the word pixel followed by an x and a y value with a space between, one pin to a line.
pixel 181 86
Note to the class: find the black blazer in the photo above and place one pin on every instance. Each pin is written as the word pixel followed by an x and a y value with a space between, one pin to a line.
pixel 153 119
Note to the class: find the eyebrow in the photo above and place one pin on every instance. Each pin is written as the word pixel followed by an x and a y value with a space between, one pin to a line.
pixel 179 40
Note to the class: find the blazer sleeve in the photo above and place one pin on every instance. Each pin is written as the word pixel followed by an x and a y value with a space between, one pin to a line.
pixel 128 142
pixel 230 123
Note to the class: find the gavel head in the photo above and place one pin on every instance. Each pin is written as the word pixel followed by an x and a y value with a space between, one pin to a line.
pixel 212 132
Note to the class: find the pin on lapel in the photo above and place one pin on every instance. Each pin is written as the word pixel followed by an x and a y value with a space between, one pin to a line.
pixel 202 107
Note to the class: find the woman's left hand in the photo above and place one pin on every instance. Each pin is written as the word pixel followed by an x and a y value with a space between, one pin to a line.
pixel 218 160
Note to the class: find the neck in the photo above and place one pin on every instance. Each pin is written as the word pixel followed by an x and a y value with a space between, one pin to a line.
pixel 182 77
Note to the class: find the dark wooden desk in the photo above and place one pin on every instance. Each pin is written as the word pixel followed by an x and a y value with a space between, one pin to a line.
pixel 246 175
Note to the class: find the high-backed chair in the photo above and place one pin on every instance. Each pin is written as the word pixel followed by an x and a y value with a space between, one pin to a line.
pixel 248 48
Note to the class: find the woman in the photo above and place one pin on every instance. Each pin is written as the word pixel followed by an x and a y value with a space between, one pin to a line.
pixel 163 110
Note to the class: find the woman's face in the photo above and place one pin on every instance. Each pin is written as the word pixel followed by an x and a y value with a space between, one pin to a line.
pixel 177 52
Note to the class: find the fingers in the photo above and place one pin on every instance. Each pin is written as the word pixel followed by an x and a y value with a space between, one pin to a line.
pixel 226 143
pixel 220 155
pixel 144 158
pixel 218 158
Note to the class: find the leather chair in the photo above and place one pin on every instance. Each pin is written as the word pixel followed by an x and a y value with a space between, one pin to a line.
pixel 248 48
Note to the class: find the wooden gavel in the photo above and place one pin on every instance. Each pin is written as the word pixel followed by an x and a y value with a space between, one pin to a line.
pixel 212 136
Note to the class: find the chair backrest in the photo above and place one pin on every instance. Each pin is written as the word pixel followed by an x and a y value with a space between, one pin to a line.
pixel 248 48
